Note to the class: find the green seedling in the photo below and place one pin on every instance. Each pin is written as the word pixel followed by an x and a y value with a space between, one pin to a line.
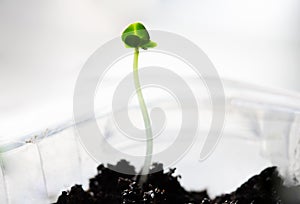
pixel 136 36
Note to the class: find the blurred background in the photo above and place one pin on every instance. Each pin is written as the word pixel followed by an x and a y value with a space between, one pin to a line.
pixel 44 44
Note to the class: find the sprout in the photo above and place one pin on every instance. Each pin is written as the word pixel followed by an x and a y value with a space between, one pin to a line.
pixel 136 36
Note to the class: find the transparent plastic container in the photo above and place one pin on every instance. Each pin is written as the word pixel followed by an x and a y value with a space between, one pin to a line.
pixel 262 129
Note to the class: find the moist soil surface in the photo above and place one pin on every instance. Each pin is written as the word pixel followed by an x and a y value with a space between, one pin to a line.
pixel 111 187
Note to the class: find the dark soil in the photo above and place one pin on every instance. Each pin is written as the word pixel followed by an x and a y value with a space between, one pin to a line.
pixel 111 187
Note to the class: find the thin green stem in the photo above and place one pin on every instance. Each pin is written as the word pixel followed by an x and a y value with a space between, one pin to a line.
pixel 146 117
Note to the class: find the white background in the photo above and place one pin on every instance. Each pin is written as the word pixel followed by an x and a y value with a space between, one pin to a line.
pixel 44 44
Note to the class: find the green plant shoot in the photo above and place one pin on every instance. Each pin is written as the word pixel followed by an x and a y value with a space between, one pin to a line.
pixel 136 36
